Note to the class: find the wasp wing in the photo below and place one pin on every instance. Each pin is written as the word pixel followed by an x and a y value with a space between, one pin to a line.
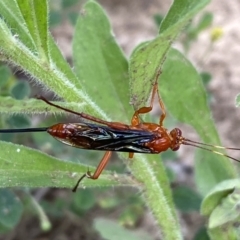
pixel 98 137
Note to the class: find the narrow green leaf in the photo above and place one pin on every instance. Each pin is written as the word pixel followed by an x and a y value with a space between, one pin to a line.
pixel 11 13
pixel 40 11
pixel 13 16
pixel 149 58
pixel 35 13
pixel 22 166
pixel 99 63
pixel 180 13
pixel 27 14
pixel 60 80
pixel 5 74
pixel 150 170
pixel 12 106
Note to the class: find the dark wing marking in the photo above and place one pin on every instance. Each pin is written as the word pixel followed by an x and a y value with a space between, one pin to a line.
pixel 98 137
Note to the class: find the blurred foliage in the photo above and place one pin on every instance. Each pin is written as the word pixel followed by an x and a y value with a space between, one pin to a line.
pixel 61 10
pixel 11 209
pixel 111 230
pixel 186 199
pixel 194 29
pixel 201 234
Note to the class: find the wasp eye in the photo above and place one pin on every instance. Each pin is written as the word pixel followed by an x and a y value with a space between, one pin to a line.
pixel 179 132
pixel 175 148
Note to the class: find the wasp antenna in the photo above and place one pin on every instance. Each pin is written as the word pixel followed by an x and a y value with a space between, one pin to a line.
pixel 23 130
pixel 210 145
pixel 210 150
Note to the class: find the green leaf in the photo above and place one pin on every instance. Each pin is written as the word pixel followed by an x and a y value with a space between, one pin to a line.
pixel 83 200
pixel 73 17
pixel 148 59
pixel 227 232
pixel 216 195
pixel 158 19
pixel 206 77
pixel 99 63
pixel 58 77
pixel 54 18
pixel 17 168
pixel 222 205
pixel 110 230
pixel 10 12
pixel 193 31
pixel 105 202
pixel 35 13
pixel 18 121
pixel 201 234
pixel 12 106
pixel 186 199
pixel 183 93
pixel 69 3
pixel 11 208
pixel 205 21
pixel 227 211
pixel 20 90
pixel 131 214
pixel 57 210
pixel 5 74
